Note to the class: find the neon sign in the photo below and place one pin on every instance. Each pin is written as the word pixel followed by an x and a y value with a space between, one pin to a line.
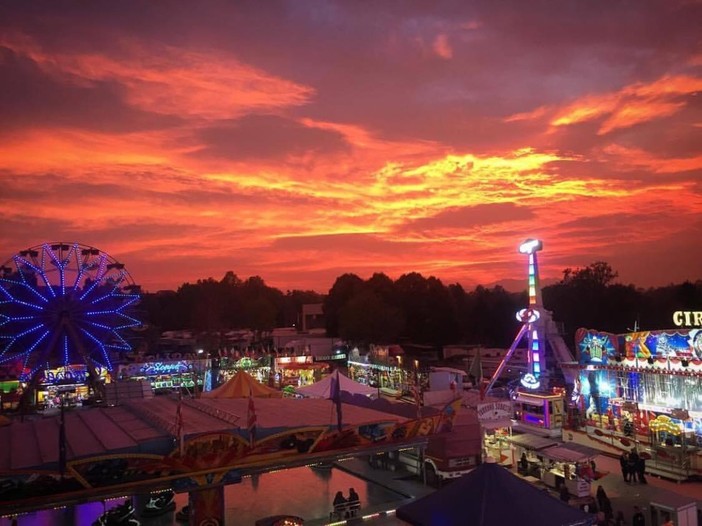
pixel 165 367
pixel 530 381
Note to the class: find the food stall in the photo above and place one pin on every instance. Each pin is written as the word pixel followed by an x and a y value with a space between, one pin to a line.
pixel 528 450
pixel 569 464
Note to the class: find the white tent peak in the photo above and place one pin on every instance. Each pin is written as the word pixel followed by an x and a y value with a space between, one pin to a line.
pixel 322 389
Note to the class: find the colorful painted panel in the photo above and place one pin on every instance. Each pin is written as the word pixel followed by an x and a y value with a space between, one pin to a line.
pixel 595 347
pixel 682 344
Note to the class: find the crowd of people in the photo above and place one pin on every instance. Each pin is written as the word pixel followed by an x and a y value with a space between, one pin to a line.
pixel 633 467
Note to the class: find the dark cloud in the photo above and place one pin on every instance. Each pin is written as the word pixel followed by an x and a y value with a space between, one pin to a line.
pixel 469 217
pixel 266 137
pixel 30 98
pixel 349 243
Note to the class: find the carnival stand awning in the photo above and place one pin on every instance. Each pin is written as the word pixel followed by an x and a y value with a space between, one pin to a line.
pixel 569 452
pixel 533 442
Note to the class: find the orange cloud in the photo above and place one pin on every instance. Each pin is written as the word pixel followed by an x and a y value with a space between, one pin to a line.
pixel 172 81
pixel 529 115
pixel 640 102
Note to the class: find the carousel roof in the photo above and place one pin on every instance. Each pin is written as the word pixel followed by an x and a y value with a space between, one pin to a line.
pixel 243 385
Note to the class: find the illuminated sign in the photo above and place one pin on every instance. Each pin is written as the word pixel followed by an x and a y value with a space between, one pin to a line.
pixel 330 357
pixel 685 318
pixel 494 411
pixel 156 368
pixel 71 374
pixel 294 359
pixel 530 381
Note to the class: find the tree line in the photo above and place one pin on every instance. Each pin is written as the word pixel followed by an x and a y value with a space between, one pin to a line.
pixel 421 310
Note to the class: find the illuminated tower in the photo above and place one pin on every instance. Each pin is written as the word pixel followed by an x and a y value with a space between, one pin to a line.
pixel 534 320
pixel 532 315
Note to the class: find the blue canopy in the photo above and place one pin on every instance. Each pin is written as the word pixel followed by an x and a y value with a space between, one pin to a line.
pixel 491 495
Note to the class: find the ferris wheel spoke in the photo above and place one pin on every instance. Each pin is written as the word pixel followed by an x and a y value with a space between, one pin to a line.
pixel 134 321
pixel 40 361
pixel 108 363
pixel 24 285
pixel 37 270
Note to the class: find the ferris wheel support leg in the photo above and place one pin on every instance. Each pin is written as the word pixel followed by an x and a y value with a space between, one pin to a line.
pixel 504 361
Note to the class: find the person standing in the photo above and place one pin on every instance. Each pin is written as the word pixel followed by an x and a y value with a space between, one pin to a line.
pixel 339 504
pixel 601 496
pixel 638 519
pixel 641 470
pixel 624 465
pixel 354 502
pixel 633 463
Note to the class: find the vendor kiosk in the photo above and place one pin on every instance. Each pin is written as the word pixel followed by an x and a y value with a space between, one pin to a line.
pixel 671 506
pixel 569 464
pixel 495 419
pixel 527 453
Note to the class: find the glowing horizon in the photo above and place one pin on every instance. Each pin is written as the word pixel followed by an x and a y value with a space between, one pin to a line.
pixel 312 140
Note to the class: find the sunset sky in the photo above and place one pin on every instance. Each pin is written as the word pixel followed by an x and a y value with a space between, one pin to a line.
pixel 302 140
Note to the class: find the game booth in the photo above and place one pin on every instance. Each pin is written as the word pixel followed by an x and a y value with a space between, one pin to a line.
pixel 640 391
pixel 297 371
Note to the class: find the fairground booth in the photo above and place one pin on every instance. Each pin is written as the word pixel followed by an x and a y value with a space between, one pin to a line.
pixel 643 391
pixel 387 368
pixel 297 371
pixel 68 385
pixel 257 366
pixel 495 418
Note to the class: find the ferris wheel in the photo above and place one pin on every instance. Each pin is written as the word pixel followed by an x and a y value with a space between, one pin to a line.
pixel 63 304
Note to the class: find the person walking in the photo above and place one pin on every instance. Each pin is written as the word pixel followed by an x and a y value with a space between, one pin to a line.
pixel 619 519
pixel 624 465
pixel 638 518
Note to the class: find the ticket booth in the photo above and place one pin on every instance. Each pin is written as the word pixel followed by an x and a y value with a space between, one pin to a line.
pixel 671 506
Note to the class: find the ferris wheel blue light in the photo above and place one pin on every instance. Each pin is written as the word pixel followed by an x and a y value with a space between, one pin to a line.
pixel 63 304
